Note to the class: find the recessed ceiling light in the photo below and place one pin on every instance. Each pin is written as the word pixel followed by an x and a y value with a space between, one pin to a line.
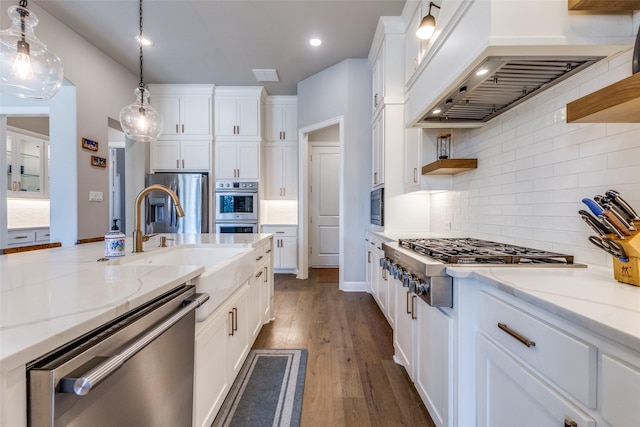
pixel 315 42
pixel 144 40
pixel 437 111
pixel 482 72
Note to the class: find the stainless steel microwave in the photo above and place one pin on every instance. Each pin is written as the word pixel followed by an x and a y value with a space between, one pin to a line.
pixel 377 207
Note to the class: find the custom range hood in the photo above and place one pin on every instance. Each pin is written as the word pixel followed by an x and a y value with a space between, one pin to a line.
pixel 487 56
pixel 501 83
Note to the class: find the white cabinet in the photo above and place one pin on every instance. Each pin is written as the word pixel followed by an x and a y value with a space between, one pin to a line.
pixel 620 387
pixel 238 330
pixel 238 161
pixel 377 150
pixel 509 394
pixel 185 110
pixel 25 237
pixel 387 62
pixel 280 171
pixel 281 114
pixel 378 80
pixel 180 156
pixel 403 332
pixel 27 164
pixel 238 112
pixel 412 159
pixel 285 246
pixel 433 361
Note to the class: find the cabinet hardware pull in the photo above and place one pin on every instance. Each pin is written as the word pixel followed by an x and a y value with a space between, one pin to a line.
pixel 375 177
pixel 279 232
pixel 259 258
pixel 183 128
pixel 182 163
pixel 413 307
pixel 177 163
pixel 266 274
pixel 231 333
pixel 408 311
pixel 177 128
pixel 20 237
pixel 369 257
pixel 235 317
pixel 524 340
pixel 415 175
pixel 268 251
pixel 568 422
pixel 259 273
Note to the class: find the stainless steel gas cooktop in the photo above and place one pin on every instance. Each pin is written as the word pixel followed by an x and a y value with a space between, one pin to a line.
pixel 475 251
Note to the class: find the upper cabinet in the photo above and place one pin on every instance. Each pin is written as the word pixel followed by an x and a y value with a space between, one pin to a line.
pixel 27 165
pixel 185 110
pixel 281 118
pixel 238 112
pixel 180 156
pixel 387 58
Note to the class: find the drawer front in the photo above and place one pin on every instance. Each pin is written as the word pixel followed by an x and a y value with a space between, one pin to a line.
pixel 281 231
pixel 21 237
pixel 565 360
pixel 42 235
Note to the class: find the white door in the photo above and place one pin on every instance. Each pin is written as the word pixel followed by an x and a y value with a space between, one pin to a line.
pixel 324 206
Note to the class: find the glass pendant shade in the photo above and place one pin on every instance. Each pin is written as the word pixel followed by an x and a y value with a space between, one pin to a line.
pixel 426 28
pixel 139 120
pixel 28 69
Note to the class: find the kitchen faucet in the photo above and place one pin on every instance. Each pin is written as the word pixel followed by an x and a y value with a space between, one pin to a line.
pixel 138 236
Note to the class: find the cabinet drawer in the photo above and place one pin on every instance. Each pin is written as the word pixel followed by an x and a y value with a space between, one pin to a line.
pixel 565 360
pixel 280 231
pixel 42 235
pixel 21 237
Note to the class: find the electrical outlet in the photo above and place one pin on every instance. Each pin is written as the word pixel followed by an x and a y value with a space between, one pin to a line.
pixel 95 196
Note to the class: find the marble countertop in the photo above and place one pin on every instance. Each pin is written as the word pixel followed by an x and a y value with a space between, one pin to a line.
pixel 49 297
pixel 589 297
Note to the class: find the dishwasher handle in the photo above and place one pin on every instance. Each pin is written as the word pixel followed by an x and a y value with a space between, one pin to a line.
pixel 85 383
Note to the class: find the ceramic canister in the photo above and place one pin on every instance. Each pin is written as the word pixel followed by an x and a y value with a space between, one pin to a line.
pixel 114 244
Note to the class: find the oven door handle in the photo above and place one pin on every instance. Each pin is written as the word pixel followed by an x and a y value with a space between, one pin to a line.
pixel 86 382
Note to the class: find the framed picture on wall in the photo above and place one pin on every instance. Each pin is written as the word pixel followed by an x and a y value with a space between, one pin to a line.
pixel 89 144
pixel 98 161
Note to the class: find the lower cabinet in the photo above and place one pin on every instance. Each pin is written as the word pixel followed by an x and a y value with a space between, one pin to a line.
pixel 403 332
pixel 223 341
pixel 285 246
pixel 27 237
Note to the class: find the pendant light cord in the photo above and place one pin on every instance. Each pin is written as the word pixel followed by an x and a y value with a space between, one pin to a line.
pixel 23 14
pixel 141 85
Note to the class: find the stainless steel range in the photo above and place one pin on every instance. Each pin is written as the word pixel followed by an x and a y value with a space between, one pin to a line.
pixel 421 263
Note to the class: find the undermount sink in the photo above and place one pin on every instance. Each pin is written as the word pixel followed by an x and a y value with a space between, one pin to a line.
pixel 226 268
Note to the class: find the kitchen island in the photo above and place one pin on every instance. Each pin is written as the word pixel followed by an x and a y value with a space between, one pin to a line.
pixel 52 296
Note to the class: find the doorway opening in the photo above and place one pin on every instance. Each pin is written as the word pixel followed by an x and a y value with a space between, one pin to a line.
pixel 117 175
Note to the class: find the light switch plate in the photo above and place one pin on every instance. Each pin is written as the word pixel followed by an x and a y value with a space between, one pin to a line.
pixel 95 196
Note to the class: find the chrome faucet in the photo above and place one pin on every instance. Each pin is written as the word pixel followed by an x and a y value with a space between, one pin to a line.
pixel 138 236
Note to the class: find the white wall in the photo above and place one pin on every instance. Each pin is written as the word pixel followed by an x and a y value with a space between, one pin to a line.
pixel 534 169
pixel 102 87
pixel 345 90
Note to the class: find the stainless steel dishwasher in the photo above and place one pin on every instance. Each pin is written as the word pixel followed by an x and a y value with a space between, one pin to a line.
pixel 136 370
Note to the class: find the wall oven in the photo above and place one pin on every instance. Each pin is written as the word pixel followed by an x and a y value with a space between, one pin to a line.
pixel 377 207
pixel 236 207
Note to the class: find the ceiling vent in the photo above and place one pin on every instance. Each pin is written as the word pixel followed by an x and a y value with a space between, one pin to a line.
pixel 266 75
pixel 501 83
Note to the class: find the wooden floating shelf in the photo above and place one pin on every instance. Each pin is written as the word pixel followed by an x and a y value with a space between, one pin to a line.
pixel 616 103
pixel 605 5
pixel 449 166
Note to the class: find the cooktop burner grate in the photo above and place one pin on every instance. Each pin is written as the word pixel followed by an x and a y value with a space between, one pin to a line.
pixel 475 251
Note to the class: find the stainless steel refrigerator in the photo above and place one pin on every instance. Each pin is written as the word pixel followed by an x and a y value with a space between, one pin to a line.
pixel 192 190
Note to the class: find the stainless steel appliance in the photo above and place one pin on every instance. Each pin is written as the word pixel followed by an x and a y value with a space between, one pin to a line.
pixel 421 263
pixel 136 370
pixel 193 192
pixel 377 207
pixel 236 205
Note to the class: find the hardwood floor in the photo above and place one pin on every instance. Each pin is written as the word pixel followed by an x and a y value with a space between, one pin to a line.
pixel 351 379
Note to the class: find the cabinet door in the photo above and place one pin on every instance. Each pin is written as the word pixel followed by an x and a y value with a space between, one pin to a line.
pixel 510 395
pixel 378 80
pixel 620 386
pixel 412 159
pixel 254 305
pixel 290 123
pixel 248 161
pixel 165 155
pixel 226 154
pixel 273 169
pixel 248 117
pixel 375 273
pixel 211 382
pixel 195 113
pixel 273 122
pixel 196 155
pixel 238 330
pixel 290 172
pixel 225 114
pixel 25 164
pixel 168 106
pixel 377 178
pixel 288 253
pixel 266 292
pixel 433 367
pixel 403 332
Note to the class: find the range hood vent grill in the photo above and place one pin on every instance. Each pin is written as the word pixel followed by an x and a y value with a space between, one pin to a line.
pixel 506 82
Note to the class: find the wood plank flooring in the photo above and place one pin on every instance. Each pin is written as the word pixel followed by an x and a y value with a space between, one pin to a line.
pixel 351 379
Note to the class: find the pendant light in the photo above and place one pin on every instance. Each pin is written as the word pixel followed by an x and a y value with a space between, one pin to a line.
pixel 28 69
pixel 428 24
pixel 139 120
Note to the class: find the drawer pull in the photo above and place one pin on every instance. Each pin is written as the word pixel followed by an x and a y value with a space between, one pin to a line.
pixel 20 237
pixel 568 422
pixel 259 258
pixel 524 340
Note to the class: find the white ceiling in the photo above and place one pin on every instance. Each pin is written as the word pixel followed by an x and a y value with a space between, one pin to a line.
pixel 220 41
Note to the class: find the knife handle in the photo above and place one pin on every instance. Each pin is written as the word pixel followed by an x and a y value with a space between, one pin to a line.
pixel 612 227
pixel 617 223
pixel 593 206
pixel 615 198
pixel 627 223
pixel 594 223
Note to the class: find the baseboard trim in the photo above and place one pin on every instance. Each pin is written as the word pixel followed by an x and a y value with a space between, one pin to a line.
pixel 353 286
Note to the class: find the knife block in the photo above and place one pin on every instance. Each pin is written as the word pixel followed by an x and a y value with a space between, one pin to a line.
pixel 628 272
